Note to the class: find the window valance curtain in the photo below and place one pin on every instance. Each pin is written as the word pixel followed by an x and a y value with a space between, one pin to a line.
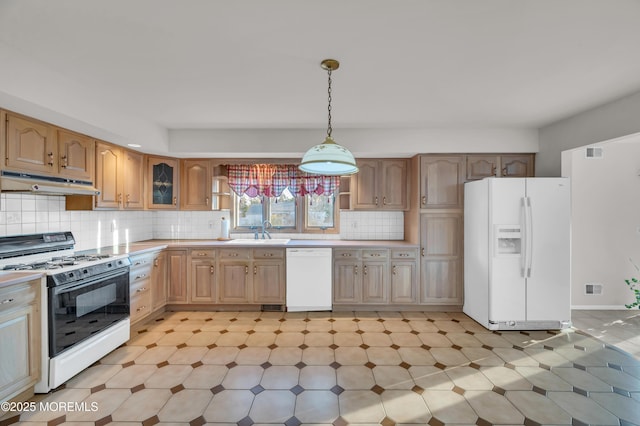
pixel 271 179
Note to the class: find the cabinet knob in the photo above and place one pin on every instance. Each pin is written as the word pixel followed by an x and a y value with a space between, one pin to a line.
pixel 202 254
pixel 140 290
pixel 505 172
pixel 64 162
pixel 346 254
pixel 211 269
pixel 206 201
pixel 494 171
pixel 156 262
pixel 422 252
pixel 50 155
pixel 128 198
pixel 141 308
pixel 255 270
pixel 175 201
pixel 364 269
pixel 376 200
pixel 384 201
pixel 355 268
pixel 140 276
pixel 394 270
pixel 246 270
pixel 120 198
pixel 424 200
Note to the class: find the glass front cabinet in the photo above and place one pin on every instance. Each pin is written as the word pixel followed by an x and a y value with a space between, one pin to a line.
pixel 163 179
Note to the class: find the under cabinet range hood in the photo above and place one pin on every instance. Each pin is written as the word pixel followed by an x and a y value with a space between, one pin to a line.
pixel 23 182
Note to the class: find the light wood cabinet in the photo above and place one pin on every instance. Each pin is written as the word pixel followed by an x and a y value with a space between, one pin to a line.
pixel 159 281
pixel 30 145
pixel 361 276
pixel 76 156
pixel 202 276
pixel 404 278
pixel 380 185
pixel 163 183
pixel 195 185
pixel 441 258
pixel 480 166
pixel 441 182
pixel 251 276
pixel 20 334
pixel 140 284
pixel 119 177
pixel 177 289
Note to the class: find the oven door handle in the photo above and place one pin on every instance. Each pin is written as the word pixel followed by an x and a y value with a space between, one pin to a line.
pixel 92 281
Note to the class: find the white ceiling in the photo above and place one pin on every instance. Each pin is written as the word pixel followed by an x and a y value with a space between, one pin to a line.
pixel 254 64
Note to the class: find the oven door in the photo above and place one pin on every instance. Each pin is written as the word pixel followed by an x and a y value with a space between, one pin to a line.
pixel 82 309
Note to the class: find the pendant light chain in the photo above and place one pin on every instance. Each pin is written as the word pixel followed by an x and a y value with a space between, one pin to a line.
pixel 329 129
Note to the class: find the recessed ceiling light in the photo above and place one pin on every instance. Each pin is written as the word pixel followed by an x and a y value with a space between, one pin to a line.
pixel 134 145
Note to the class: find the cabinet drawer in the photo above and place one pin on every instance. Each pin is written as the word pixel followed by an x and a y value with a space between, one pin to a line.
pixel 235 254
pixel 18 295
pixel 375 254
pixel 140 306
pixel 140 286
pixel 346 254
pixel 404 254
pixel 196 254
pixel 139 274
pixel 141 260
pixel 268 253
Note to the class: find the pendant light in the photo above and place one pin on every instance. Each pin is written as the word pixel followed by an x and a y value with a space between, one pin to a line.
pixel 329 158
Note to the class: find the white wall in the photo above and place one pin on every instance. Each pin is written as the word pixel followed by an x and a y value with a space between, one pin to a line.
pixel 605 204
pixel 605 122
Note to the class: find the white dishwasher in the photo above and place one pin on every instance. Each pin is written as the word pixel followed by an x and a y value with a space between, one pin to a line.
pixel 309 279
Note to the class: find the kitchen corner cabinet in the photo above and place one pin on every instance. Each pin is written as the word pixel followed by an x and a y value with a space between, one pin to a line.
pixel 480 166
pixel 380 185
pixel 441 258
pixel 195 184
pixel 20 334
pixel 177 289
pixel 119 177
pixel 202 275
pixel 441 182
pixel 163 183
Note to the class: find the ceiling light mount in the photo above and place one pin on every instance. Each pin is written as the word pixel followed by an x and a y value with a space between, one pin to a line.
pixel 329 158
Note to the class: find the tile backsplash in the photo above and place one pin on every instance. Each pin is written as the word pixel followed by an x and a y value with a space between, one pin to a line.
pixel 28 213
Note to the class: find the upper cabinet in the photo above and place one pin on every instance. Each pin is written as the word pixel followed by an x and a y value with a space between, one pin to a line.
pixel 195 185
pixel 441 181
pixel 120 177
pixel 40 148
pixel 163 183
pixel 380 185
pixel 480 166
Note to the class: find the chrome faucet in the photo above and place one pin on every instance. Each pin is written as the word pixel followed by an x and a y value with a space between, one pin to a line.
pixel 265 225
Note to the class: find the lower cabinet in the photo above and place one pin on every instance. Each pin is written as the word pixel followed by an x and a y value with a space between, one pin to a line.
pixel 140 284
pixel 202 276
pixel 268 276
pixel 378 276
pixel 159 281
pixel 234 276
pixel 177 290
pixel 19 334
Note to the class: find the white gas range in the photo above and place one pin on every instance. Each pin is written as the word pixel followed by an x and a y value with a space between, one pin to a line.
pixel 85 301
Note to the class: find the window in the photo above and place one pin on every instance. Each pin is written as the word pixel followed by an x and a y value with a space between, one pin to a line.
pixel 286 213
pixel 251 212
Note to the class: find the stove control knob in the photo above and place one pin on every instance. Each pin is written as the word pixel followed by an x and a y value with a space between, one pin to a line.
pixel 86 271
pixel 70 274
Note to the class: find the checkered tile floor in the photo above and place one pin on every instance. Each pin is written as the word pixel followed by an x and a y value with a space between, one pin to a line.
pixel 386 368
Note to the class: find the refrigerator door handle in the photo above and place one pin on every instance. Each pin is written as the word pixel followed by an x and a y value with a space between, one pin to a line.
pixel 523 233
pixel 529 242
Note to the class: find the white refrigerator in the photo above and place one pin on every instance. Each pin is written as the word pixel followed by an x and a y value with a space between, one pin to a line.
pixel 517 253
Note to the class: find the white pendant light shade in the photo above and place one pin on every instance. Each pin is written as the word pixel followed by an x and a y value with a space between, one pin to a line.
pixel 329 159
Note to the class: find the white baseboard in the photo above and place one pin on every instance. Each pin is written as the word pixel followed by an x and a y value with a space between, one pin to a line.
pixel 601 308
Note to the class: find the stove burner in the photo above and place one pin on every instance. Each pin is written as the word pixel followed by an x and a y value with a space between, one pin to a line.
pixel 56 262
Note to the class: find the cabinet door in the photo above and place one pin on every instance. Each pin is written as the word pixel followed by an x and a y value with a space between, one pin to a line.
pixel 177 276
pixel 268 282
pixel 76 156
pixel 517 166
pixel 20 334
pixel 162 183
pixel 109 175
pixel 441 258
pixel 133 180
pixel 195 191
pixel 347 281
pixel 233 282
pixel 441 182
pixel 202 280
pixel 481 166
pixel 403 282
pixel 375 282
pixel 30 146
pixel 394 184
pixel 159 281
pixel 365 191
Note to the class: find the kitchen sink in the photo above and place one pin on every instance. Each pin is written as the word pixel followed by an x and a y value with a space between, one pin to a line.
pixel 254 242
